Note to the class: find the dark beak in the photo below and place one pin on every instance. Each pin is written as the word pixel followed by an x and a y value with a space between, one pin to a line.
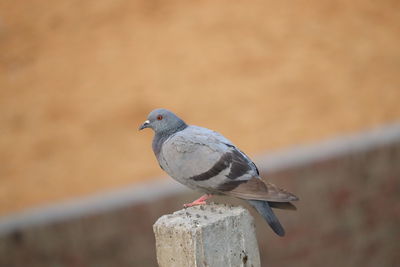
pixel 144 125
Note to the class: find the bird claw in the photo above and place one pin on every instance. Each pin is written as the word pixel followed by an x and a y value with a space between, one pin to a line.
pixel 200 201
pixel 194 203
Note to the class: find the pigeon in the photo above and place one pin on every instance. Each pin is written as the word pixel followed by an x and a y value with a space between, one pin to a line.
pixel 206 161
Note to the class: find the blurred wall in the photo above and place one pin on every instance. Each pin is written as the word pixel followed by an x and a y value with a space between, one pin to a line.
pixel 78 77
pixel 348 214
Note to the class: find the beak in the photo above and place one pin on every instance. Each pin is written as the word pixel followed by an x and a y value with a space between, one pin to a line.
pixel 144 125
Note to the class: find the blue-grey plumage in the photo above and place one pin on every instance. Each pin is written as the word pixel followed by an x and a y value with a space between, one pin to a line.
pixel 206 161
pixel 265 210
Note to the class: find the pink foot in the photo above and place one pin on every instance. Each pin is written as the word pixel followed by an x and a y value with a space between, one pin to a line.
pixel 199 201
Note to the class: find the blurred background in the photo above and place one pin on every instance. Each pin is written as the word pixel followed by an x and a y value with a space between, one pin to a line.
pixel 78 77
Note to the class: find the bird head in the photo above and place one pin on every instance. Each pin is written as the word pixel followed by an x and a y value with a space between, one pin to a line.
pixel 163 121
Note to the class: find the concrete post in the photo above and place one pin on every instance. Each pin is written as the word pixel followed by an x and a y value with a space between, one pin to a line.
pixel 207 236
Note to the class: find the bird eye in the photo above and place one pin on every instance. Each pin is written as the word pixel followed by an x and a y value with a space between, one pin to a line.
pixel 159 117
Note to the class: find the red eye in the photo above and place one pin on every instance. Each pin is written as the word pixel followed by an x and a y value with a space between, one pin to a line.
pixel 159 117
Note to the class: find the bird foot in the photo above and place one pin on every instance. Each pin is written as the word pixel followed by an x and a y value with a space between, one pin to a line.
pixel 194 203
pixel 199 201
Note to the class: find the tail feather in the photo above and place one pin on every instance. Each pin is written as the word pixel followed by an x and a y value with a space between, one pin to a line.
pixel 282 205
pixel 265 210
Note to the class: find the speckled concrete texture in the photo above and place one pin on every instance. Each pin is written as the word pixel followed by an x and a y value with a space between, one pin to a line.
pixel 207 236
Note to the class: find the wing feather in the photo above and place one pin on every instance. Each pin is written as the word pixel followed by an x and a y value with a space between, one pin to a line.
pixel 257 189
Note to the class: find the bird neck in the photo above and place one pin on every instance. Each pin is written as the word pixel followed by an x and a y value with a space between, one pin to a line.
pixel 179 126
pixel 161 136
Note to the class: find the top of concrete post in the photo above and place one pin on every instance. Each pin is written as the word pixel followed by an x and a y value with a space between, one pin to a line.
pixel 207 235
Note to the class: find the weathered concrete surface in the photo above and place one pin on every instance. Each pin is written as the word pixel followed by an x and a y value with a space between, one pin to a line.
pixel 207 236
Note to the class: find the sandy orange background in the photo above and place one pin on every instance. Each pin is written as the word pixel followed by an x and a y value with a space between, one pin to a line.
pixel 78 77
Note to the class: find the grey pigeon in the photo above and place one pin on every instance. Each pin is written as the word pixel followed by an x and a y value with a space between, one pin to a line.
pixel 206 161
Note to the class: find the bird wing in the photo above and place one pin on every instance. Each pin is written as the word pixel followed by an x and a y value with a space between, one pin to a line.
pixel 204 159
pixel 256 189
